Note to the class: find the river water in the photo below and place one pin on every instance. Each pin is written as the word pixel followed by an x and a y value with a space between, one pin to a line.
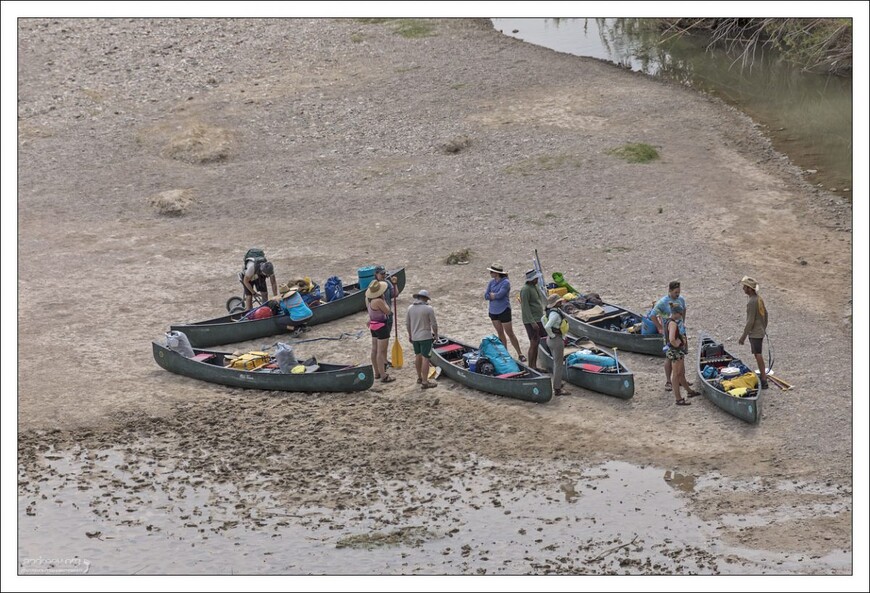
pixel 807 116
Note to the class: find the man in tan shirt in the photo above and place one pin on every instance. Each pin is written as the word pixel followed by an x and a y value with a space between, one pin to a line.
pixel 422 332
pixel 756 325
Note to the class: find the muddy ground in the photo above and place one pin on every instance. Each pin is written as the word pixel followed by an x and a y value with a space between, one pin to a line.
pixel 334 144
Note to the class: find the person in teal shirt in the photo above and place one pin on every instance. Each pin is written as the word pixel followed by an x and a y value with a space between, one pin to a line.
pixel 662 313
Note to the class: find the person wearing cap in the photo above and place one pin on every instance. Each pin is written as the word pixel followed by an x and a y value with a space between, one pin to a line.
pixel 756 325
pixel 552 321
pixel 677 345
pixel 392 285
pixel 662 311
pixel 380 324
pixel 253 278
pixel 532 307
pixel 422 332
pixel 497 292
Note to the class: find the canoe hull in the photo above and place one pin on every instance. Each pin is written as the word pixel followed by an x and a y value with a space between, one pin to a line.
pixel 229 330
pixel 332 378
pixel 536 388
pixel 747 409
pixel 619 384
pixel 651 345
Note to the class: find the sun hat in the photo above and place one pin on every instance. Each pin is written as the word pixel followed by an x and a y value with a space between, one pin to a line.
pixel 677 307
pixel 376 289
pixel 380 270
pixel 553 300
pixel 289 293
pixel 423 294
pixel 498 269
pixel 750 283
pixel 531 275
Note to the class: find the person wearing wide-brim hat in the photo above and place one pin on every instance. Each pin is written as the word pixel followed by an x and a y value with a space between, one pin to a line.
pixel 756 325
pixel 498 293
pixel 380 323
pixel 532 309
pixel 555 330
pixel 422 333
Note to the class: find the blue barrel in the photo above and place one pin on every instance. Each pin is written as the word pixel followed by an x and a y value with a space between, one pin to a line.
pixel 580 357
pixel 366 275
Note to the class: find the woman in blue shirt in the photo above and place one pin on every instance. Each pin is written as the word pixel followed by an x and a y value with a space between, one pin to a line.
pixel 497 293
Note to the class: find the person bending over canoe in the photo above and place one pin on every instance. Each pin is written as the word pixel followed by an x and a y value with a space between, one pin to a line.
pixel 422 332
pixel 677 347
pixel 380 324
pixel 756 325
pixel 497 292
pixel 662 313
pixel 253 278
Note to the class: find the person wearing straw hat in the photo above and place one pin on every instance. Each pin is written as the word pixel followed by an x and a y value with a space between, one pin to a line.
pixel 756 325
pixel 422 332
pixel 380 324
pixel 497 292
pixel 552 321
pixel 532 307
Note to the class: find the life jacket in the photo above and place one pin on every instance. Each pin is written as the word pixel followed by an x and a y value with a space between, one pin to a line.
pixel 562 327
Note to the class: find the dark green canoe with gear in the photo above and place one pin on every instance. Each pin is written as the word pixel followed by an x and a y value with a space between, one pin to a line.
pixel 231 329
pixel 614 380
pixel 712 354
pixel 211 366
pixel 527 384
pixel 616 327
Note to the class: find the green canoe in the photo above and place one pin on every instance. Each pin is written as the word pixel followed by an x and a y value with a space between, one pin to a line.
pixel 208 365
pixel 618 384
pixel 712 353
pixel 528 385
pixel 231 329
pixel 608 329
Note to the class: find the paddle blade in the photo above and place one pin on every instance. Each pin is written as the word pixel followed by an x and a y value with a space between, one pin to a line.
pixel 398 358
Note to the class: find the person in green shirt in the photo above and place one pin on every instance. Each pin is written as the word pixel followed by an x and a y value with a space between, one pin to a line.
pixel 532 307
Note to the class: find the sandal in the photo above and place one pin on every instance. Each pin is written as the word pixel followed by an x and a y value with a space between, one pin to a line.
pixel 683 402
pixel 419 380
pixel 561 392
pixel 694 393
pixel 523 358
pixel 428 385
pixel 669 387
pixel 388 379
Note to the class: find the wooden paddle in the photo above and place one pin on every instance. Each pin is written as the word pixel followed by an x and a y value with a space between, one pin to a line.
pixel 398 357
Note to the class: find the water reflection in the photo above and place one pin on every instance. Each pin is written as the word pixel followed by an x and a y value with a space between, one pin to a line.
pixel 809 116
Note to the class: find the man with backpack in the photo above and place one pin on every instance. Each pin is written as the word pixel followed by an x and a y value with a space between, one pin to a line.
pixel 253 276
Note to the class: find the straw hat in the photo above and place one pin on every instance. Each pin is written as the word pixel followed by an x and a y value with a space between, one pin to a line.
pixel 751 283
pixel 376 289
pixel 289 292
pixel 423 294
pixel 498 269
pixel 553 300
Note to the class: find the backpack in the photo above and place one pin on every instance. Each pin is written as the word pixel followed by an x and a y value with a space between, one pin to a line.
pixel 256 254
pixel 334 289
